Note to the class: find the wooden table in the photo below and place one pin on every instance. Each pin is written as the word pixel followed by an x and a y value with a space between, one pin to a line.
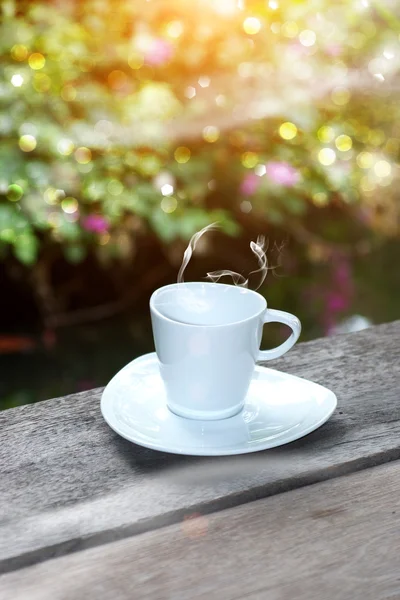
pixel 85 514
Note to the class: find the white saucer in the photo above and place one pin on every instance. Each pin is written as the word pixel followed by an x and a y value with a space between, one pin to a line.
pixel 279 408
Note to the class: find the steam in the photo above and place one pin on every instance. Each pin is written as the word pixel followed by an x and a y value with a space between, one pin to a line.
pixel 237 278
pixel 187 255
pixel 259 249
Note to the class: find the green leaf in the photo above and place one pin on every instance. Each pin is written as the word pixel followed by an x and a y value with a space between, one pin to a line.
pixel 192 220
pixel 294 204
pixel 230 227
pixel 26 248
pixel 94 190
pixel 225 221
pixel 7 216
pixel 8 235
pixel 164 225
pixel 274 216
pixel 139 204
pixel 75 254
pixel 69 231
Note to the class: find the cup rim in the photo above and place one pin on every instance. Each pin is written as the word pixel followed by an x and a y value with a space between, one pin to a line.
pixel 155 310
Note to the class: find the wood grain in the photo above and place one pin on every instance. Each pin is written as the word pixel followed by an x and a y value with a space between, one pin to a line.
pixel 67 482
pixel 337 540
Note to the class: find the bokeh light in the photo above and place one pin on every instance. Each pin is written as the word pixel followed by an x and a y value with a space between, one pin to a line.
pixel 65 147
pixel 326 156
pixel 190 92
pixel 307 37
pixel 343 143
pixel 365 160
pixel 68 93
pixel 167 189
pixel 41 82
pixel 204 81
pixel 376 137
pixel 36 61
pixel 260 170
pixel 341 96
pixel 246 206
pixel 27 143
pixel 117 79
pixel 210 133
pixel 115 187
pixel 174 29
pixel 326 134
pixel 169 204
pixel 320 199
pixel 69 205
pixel 182 154
pixel 135 61
pixel 83 155
pixel 17 80
pixel 14 192
pixel 290 29
pixel 288 130
pixel 249 159
pixel 19 52
pixel 382 168
pixel 53 196
pixel 251 25
pixel 226 7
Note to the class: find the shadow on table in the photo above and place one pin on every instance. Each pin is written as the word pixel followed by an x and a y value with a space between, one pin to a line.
pixel 290 457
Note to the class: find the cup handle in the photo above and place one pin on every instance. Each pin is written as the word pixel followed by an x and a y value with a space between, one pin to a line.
pixel 279 316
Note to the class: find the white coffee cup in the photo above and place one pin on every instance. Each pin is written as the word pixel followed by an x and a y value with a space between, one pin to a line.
pixel 207 338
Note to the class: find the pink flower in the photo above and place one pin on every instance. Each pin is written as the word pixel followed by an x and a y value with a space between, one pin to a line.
pixel 95 224
pixel 342 275
pixel 336 302
pixel 250 184
pixel 282 173
pixel 159 52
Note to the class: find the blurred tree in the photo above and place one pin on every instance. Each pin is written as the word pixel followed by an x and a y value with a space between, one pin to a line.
pixel 119 119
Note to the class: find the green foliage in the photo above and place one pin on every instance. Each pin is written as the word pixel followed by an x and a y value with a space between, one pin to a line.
pixel 104 105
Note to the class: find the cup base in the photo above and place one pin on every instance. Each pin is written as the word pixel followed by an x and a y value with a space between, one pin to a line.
pixel 205 415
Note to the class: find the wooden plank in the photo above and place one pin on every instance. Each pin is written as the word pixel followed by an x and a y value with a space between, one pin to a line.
pixel 67 482
pixel 335 540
